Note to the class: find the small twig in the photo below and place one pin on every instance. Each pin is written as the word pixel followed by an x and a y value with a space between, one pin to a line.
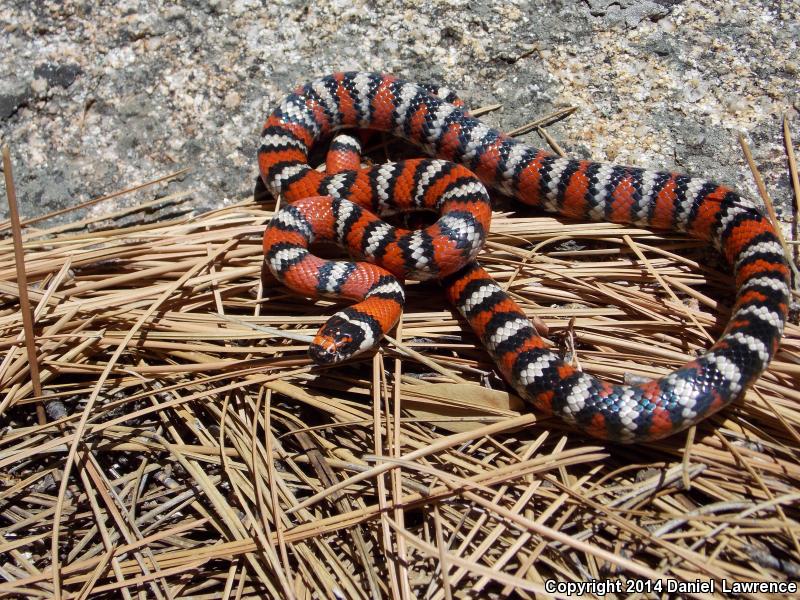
pixel 687 457
pixel 787 140
pixel 62 211
pixel 551 142
pixel 22 283
pixel 485 109
pixel 762 190
pixel 544 121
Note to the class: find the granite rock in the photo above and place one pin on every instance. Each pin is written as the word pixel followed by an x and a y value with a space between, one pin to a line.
pixel 96 97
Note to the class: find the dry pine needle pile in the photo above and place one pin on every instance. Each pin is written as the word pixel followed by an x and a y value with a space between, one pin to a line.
pixel 206 457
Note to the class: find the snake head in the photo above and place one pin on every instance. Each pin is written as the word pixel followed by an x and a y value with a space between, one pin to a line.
pixel 343 336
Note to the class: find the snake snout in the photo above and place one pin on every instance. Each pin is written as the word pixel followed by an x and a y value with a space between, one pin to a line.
pixel 341 337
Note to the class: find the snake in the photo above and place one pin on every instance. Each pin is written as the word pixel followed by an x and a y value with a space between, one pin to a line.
pixel 344 203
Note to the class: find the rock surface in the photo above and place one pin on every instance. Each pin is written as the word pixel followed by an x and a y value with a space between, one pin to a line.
pixel 95 97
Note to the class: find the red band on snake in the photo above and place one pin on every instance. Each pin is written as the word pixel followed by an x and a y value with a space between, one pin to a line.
pixel 573 188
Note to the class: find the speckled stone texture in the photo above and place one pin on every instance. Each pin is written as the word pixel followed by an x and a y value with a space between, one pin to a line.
pixel 96 98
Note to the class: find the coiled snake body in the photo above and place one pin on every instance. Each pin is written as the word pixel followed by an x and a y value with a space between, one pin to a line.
pixel 339 204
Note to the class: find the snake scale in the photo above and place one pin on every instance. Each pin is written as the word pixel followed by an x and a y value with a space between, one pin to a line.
pixel 342 205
